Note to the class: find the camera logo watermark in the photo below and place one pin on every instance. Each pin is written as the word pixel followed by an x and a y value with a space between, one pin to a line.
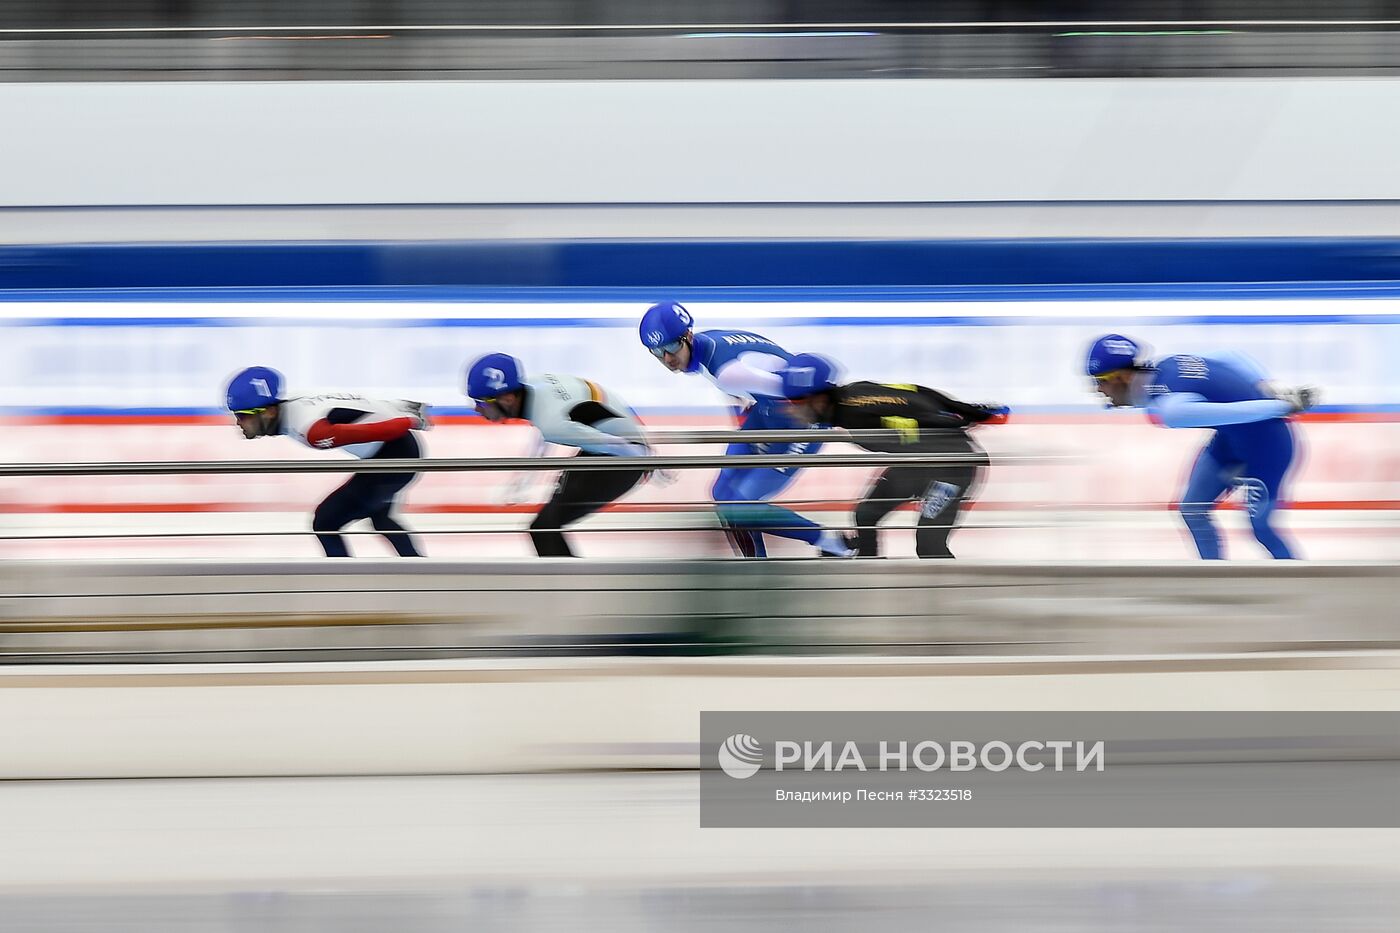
pixel 741 756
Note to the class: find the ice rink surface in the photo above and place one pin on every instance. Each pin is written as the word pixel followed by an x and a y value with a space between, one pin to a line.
pixel 624 852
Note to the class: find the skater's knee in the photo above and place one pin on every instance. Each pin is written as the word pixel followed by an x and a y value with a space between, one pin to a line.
pixel 324 519
pixel 1199 523
pixel 383 520
pixel 869 512
pixel 546 519
pixel 1196 514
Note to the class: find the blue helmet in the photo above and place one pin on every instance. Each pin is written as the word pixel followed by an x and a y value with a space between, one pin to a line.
pixel 806 374
pixel 253 389
pixel 1110 353
pixel 664 325
pixel 494 374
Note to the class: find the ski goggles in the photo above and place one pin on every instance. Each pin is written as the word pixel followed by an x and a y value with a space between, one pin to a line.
pixel 672 348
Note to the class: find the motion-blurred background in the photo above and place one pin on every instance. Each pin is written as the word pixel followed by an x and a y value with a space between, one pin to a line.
pixel 598 39
pixel 367 195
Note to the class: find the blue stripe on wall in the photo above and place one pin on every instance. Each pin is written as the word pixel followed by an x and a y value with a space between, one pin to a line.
pixel 1251 291
pixel 755 322
pixel 662 267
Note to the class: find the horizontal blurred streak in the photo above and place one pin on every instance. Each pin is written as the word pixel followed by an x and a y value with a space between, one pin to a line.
pixel 493 530
pixel 622 853
pixel 750 28
pixel 1206 900
pixel 542 46
pixel 726 606
pixel 585 464
pixel 290 38
pixel 497 464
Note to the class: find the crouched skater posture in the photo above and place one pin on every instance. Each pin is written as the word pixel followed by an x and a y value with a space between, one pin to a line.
pixel 365 428
pixel 1251 448
pixel 927 421
pixel 744 366
pixel 570 412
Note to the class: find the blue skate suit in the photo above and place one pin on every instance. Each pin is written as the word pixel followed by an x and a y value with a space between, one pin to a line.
pixel 1252 447
pixel 745 366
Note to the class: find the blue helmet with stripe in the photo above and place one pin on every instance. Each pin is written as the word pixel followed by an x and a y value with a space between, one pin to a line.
pixel 1110 353
pixel 663 325
pixel 807 374
pixel 494 374
pixel 253 389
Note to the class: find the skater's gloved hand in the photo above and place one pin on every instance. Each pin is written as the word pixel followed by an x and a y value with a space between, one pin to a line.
pixel 992 413
pixel 517 491
pixel 418 411
pixel 663 478
pixel 1301 398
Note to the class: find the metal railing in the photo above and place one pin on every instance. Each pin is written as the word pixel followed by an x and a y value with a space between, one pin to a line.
pixel 582 464
pixel 675 510
pixel 497 464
